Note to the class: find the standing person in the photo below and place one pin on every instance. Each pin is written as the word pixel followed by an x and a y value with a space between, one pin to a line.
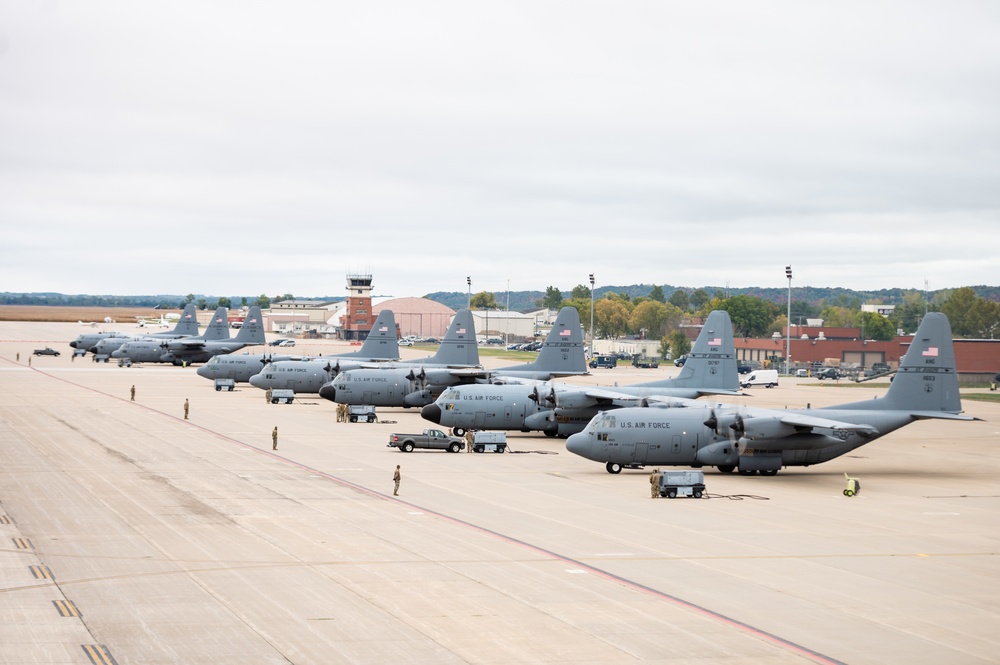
pixel 274 438
pixel 132 392
pixel 18 356
pixel 267 395
pixel 654 484
pixel 186 406
pixel 469 438
pixel 395 479
pixel 29 361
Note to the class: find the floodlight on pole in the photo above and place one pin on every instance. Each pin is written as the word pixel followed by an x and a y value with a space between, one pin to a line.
pixel 591 314
pixel 468 280
pixel 788 330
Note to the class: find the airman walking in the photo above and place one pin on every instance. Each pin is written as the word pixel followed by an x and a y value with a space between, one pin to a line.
pixel 186 407
pixel 132 392
pixel 395 479
pixel 274 438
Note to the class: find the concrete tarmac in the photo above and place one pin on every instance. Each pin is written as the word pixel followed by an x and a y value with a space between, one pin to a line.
pixel 131 535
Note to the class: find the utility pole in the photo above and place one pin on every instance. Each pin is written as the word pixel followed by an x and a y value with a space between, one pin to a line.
pixel 592 315
pixel 468 280
pixel 788 330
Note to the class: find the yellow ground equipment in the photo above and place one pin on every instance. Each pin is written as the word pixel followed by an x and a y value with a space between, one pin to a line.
pixel 853 486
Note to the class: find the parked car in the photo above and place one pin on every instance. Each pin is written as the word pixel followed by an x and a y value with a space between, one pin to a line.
pixel 827 373
pixel 46 352
pixel 285 342
pixel 679 362
pixel 608 362
pixel 405 342
pixel 744 369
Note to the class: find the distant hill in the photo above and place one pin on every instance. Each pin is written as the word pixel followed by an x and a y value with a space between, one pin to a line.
pixel 519 300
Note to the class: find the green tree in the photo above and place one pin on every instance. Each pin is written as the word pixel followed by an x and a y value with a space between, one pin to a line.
pixel 877 327
pixel 243 301
pixel 837 316
pixel 225 302
pixel 699 299
pixel 263 302
pixel 679 344
pixel 657 294
pixel 655 318
pixel 483 300
pixel 553 298
pixel 965 311
pixel 680 300
pixel 201 304
pixel 580 292
pixel 751 316
pixel 907 315
pixel 611 318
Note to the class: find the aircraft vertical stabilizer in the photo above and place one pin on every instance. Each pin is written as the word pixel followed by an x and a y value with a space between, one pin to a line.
pixel 187 325
pixel 459 344
pixel 218 327
pixel 252 331
pixel 381 341
pixel 711 364
pixel 927 379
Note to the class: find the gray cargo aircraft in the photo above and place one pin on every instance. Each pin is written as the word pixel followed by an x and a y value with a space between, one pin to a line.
pixel 187 350
pixel 560 355
pixel 765 440
pixel 239 366
pixel 392 383
pixel 563 409
pixel 187 326
pixel 308 375
pixel 218 328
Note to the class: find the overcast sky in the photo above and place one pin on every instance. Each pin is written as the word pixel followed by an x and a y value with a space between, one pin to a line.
pixel 240 148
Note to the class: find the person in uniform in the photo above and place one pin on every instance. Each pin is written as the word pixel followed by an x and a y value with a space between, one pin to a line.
pixel 469 438
pixel 267 395
pixel 186 407
pixel 654 484
pixel 395 479
pixel 274 438
pixel 132 392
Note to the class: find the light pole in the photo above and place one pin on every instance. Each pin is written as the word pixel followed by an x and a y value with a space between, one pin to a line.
pixel 468 281
pixel 788 330
pixel 591 315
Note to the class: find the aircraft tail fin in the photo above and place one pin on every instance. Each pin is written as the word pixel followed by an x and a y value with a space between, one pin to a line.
pixel 218 327
pixel 252 331
pixel 458 347
pixel 711 364
pixel 381 341
pixel 187 325
pixel 927 379
pixel 562 352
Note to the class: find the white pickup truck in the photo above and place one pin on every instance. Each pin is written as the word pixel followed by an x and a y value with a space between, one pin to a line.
pixel 434 439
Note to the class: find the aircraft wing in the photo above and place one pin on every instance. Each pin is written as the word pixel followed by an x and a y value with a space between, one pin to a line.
pixel 713 391
pixel 941 415
pixel 190 344
pixel 469 372
pixel 803 420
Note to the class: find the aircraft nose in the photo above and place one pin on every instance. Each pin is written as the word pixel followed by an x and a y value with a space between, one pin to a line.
pixel 431 412
pixel 327 391
pixel 204 371
pixel 579 444
pixel 257 381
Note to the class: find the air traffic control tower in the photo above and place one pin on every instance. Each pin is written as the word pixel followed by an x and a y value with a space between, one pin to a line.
pixel 358 317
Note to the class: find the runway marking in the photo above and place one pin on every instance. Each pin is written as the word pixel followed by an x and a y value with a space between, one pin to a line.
pixel 66 608
pixel 41 572
pixel 22 544
pixel 99 654
pixel 6 519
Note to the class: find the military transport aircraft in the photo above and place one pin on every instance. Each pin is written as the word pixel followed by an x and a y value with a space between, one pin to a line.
pixel 765 440
pixel 142 344
pixel 187 326
pixel 308 375
pixel 563 409
pixel 189 350
pixel 561 355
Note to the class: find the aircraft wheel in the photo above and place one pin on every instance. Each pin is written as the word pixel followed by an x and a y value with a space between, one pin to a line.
pixel 458 431
pixel 726 468
pixel 550 434
pixel 407 447
pixel 748 472
pixel 769 472
pixel 613 467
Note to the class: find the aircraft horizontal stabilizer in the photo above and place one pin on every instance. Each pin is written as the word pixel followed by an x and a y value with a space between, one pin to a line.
pixel 940 415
